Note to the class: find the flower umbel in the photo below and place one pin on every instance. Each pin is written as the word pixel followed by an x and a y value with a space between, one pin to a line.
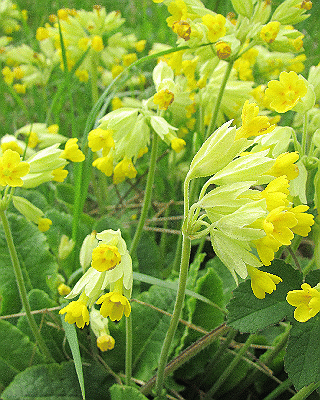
pixel 113 305
pixel 306 300
pixel 262 282
pixel 12 169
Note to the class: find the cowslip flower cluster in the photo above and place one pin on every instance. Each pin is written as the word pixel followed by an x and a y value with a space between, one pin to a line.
pixel 239 217
pixel 111 266
pixel 123 135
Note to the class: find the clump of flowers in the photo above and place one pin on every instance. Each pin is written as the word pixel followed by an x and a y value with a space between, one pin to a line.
pixel 111 267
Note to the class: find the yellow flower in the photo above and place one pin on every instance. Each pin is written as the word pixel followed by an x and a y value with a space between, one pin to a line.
pixel 163 99
pixel 44 224
pixel 12 169
pixel 97 43
pixel 177 144
pixel 182 29
pixel 284 165
pixel 223 50
pixel 77 312
pixel 116 103
pixel 113 305
pixel 142 152
pixel 54 128
pixel 270 31
pixel 140 45
pixel 59 174
pixel 42 33
pixel 124 169
pixel 252 123
pixel 305 221
pixel 18 72
pixel 105 342
pixel 82 75
pixel 104 164
pixel 178 11
pixel 128 59
pixel 116 70
pixel 33 140
pixel 100 139
pixel 83 43
pixel 306 300
pixel 20 88
pixel 216 26
pixel 63 289
pixel 262 282
pixel 266 247
pixel 284 94
pixel 276 193
pixel 11 145
pixel 8 75
pixel 278 224
pixel 72 152
pixel 105 257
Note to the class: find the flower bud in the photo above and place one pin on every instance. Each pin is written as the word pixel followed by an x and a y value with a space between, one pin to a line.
pixel 290 12
pixel 89 243
pixel 31 212
pixel 244 8
pixel 65 247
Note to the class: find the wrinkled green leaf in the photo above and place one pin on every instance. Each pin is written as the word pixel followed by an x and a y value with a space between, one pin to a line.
pixel 58 382
pixel 17 352
pixel 121 392
pixel 38 265
pixel 49 322
pixel 249 314
pixel 302 359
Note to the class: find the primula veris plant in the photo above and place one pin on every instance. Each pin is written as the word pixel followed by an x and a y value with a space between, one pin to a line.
pixel 159 194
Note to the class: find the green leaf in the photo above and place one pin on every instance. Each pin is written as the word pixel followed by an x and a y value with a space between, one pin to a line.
pixel 302 359
pixel 51 332
pixel 17 352
pixel 149 330
pixel 58 382
pixel 38 265
pixel 72 337
pixel 121 392
pixel 249 314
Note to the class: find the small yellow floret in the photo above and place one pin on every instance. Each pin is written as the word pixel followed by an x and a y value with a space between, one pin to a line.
pixel 216 26
pixel 163 99
pixel 54 128
pixel 306 300
pixel 72 152
pixel 284 94
pixel 18 72
pixel 124 169
pixel 262 282
pixel 105 342
pixel 76 312
pixel 140 45
pixel 182 29
pixel 63 289
pixel 59 174
pixel 12 169
pixel 284 165
pixel 252 123
pixel 270 31
pixel 44 224
pixel 113 305
pixel 116 70
pixel 42 33
pixel 100 139
pixel 128 59
pixel 116 103
pixel 105 257
pixel 97 43
pixel 177 144
pixel 104 164
pixel 33 140
pixel 20 88
pixel 82 75
pixel 223 50
pixel 11 145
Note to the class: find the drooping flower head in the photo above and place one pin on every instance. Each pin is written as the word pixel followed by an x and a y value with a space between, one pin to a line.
pixel 113 305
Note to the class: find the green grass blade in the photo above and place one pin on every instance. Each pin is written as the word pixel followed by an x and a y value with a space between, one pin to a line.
pixel 72 338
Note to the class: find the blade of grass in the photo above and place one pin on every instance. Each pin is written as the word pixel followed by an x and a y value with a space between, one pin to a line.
pixel 72 338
